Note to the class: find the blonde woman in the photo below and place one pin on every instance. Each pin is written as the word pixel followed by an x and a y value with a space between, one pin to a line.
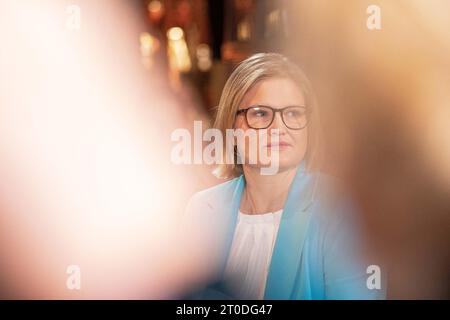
pixel 274 236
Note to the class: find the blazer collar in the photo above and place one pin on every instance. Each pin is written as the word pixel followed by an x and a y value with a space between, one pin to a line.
pixel 288 249
pixel 291 234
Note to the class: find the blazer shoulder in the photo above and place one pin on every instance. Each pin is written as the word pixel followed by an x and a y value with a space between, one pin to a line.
pixel 211 197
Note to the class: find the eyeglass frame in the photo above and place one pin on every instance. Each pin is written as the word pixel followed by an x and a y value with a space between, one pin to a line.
pixel 274 111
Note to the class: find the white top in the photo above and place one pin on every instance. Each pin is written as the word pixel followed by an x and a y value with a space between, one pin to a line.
pixel 251 252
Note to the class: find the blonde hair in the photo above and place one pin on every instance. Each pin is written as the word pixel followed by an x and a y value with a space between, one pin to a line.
pixel 245 76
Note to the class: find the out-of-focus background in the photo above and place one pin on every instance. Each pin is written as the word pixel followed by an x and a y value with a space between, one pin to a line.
pixel 201 41
pixel 90 92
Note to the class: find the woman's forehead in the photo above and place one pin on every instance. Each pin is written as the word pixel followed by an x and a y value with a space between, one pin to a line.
pixel 274 92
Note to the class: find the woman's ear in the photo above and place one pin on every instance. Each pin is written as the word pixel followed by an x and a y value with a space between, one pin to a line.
pixel 237 156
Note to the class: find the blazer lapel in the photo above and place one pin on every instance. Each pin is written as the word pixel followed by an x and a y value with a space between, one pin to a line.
pixel 232 201
pixel 291 236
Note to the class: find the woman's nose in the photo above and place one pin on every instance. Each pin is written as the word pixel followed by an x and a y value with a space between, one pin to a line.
pixel 278 123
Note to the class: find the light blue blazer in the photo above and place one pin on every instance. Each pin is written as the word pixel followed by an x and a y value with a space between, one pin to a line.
pixel 316 254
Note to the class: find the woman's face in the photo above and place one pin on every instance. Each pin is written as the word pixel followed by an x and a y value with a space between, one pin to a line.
pixel 277 93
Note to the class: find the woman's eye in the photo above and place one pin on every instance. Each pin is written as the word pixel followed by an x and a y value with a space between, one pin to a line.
pixel 294 113
pixel 260 113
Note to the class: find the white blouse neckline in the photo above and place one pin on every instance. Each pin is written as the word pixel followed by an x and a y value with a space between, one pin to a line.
pixel 251 252
pixel 260 217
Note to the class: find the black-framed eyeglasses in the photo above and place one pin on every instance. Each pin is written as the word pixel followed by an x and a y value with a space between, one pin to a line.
pixel 261 117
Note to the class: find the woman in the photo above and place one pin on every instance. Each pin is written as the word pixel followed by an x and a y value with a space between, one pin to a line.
pixel 277 236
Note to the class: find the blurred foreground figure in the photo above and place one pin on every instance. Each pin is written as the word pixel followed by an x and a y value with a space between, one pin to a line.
pixel 386 95
pixel 87 201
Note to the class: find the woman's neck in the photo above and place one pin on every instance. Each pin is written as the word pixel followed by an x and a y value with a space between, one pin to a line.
pixel 265 193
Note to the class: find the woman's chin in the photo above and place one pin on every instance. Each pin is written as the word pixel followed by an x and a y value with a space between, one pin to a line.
pixel 274 168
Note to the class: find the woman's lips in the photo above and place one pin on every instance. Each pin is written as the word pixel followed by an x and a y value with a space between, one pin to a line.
pixel 281 144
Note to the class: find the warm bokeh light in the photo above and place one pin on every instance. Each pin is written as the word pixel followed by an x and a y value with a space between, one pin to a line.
pixel 85 157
